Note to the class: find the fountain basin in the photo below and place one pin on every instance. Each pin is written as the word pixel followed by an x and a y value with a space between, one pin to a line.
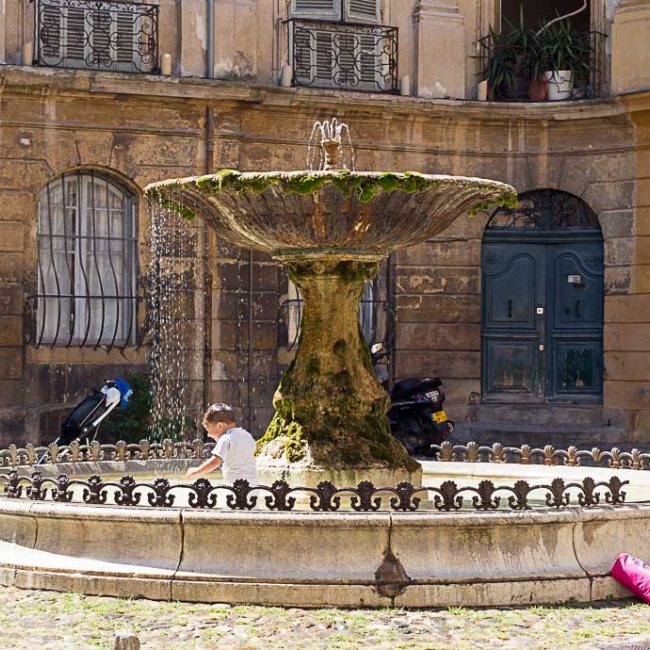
pixel 343 214
pixel 314 559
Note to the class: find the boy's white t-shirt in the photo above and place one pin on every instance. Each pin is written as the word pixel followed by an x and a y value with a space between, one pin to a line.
pixel 236 448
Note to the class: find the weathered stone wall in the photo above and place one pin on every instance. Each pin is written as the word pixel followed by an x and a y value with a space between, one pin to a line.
pixel 142 129
pixel 627 341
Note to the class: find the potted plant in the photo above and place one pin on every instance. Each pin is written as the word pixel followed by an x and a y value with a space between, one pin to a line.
pixel 565 53
pixel 513 62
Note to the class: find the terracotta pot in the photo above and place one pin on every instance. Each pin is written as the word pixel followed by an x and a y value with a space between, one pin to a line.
pixel 537 90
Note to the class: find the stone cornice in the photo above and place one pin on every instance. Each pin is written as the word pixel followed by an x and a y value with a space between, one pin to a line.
pixel 46 82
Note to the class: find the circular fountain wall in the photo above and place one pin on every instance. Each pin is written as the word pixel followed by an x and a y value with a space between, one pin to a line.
pixel 403 553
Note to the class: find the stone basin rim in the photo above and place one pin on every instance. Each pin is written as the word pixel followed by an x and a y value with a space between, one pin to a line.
pixel 325 174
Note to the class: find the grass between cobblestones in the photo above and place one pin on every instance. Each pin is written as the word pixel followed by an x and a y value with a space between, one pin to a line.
pixel 53 621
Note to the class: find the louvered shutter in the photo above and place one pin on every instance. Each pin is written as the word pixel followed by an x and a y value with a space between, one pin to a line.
pixel 51 36
pixel 324 56
pixel 124 42
pixel 368 59
pixel 100 38
pixel 364 10
pixel 316 8
pixel 75 36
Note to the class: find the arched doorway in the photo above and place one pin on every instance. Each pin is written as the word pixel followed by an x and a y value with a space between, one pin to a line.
pixel 542 290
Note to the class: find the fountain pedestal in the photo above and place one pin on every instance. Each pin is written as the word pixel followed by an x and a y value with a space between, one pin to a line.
pixel 330 408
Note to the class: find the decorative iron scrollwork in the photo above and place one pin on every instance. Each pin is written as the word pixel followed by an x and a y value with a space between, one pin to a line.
pixel 340 55
pixel 325 497
pixel 545 210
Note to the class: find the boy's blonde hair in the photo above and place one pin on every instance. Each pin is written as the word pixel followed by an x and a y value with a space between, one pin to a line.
pixel 219 413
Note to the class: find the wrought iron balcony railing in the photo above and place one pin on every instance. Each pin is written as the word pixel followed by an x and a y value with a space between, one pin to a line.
pixel 97 35
pixel 345 56
pixel 509 70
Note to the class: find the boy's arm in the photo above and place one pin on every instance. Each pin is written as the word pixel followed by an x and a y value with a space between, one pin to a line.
pixel 204 468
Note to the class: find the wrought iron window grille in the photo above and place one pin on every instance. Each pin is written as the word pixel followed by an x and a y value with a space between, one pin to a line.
pixel 545 210
pixel 87 260
pixel 343 56
pixel 97 34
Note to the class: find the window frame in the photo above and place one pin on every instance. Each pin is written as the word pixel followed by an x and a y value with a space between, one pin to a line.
pixel 86 272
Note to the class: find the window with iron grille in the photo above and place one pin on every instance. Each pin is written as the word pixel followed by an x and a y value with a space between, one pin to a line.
pixel 340 44
pixel 97 34
pixel 87 247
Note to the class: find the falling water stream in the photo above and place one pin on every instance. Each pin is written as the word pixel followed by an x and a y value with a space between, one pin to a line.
pixel 176 315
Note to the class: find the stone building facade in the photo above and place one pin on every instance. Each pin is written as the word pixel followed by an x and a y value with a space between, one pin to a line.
pixel 92 111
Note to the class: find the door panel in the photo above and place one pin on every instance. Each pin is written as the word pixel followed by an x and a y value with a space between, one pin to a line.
pixel 575 324
pixel 542 321
pixel 513 287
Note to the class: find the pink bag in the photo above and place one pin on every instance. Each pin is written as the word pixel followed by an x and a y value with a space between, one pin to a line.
pixel 633 574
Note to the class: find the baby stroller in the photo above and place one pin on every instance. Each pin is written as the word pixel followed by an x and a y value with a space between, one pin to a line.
pixel 86 417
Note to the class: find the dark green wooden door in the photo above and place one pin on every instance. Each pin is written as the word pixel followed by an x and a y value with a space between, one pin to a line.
pixel 542 320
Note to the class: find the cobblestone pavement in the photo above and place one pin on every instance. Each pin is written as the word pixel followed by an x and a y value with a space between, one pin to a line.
pixel 51 621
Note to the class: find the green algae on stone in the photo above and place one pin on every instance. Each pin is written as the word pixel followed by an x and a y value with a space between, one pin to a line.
pixel 363 186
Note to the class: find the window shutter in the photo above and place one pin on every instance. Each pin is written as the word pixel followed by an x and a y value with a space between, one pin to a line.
pixel 324 56
pixel 316 8
pixel 51 36
pixel 125 42
pixel 368 58
pixel 75 41
pixel 362 10
pixel 101 38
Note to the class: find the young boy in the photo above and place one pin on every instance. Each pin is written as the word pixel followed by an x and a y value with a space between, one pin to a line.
pixel 235 448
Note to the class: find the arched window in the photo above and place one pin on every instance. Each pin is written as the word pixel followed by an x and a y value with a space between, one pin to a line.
pixel 545 210
pixel 87 247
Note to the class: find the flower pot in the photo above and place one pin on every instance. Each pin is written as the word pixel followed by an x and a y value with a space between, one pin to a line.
pixel 560 84
pixel 537 89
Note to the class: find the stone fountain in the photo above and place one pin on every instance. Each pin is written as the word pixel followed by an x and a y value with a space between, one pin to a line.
pixel 330 228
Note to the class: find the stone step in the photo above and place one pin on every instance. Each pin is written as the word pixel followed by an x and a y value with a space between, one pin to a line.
pixel 561 436
pixel 538 414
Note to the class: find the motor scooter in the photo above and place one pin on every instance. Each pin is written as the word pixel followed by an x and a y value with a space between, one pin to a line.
pixel 417 416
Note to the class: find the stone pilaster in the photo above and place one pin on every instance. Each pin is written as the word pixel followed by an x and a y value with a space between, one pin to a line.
pixel 235 39
pixel 631 46
pixel 439 56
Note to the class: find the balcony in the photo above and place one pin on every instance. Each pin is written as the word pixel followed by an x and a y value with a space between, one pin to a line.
pixel 343 56
pixel 97 35
pixel 521 69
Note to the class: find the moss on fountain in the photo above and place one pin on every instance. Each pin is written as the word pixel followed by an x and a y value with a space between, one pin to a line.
pixel 362 185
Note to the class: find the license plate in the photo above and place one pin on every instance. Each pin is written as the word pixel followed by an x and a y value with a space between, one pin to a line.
pixel 439 416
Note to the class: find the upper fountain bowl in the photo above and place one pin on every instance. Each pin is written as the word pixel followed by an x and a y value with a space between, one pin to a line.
pixel 333 213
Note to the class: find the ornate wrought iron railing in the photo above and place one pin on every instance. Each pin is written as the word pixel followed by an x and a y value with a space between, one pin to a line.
pixel 97 34
pixel 472 452
pixel 325 497
pixel 511 68
pixel 345 56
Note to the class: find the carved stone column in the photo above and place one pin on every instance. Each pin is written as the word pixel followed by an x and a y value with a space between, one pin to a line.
pixel 330 408
pixel 440 54
pixel 631 46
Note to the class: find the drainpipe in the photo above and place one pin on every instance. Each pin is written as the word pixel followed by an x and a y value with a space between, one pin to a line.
pixel 210 50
